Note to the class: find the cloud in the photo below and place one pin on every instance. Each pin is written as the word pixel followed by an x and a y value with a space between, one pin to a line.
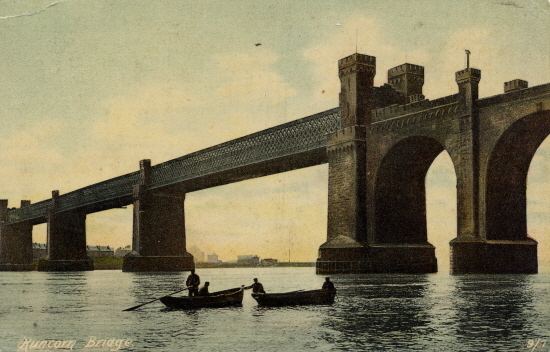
pixel 30 160
pixel 339 42
pixel 161 120
pixel 492 56
pixel 485 54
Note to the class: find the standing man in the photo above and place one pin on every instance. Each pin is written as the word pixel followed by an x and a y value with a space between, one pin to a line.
pixel 193 281
pixel 257 287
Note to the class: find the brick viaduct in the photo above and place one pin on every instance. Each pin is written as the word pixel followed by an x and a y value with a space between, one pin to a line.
pixel 379 145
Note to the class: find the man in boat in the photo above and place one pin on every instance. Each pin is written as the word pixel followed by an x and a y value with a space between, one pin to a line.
pixel 328 285
pixel 256 287
pixel 204 290
pixel 193 281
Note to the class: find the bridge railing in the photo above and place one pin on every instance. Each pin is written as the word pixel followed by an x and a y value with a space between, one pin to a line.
pixel 114 188
pixel 32 211
pixel 294 137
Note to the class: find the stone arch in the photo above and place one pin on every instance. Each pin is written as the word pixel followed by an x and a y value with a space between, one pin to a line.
pixel 506 180
pixel 400 190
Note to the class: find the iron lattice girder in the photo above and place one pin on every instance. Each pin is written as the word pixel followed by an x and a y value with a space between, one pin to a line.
pixel 292 138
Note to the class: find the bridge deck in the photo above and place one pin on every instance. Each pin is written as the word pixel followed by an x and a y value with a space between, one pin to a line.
pixel 258 154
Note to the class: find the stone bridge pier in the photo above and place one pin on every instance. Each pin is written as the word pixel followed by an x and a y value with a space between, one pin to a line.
pixel 158 242
pixel 15 242
pixel 66 240
pixel 352 245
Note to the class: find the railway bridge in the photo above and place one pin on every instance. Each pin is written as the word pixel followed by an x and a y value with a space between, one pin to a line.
pixel 378 144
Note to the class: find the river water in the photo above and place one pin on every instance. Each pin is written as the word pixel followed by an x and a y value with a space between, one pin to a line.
pixel 435 312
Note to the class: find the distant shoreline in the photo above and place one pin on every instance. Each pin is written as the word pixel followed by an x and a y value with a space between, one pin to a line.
pixel 115 263
pixel 237 265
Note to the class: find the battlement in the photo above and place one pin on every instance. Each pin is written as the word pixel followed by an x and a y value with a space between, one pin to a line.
pixel 467 74
pixel 514 85
pixel 356 59
pixel 356 74
pixel 406 68
pixel 396 110
pixel 415 98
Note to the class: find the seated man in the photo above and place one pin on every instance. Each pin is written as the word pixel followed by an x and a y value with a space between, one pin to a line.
pixel 257 287
pixel 204 290
pixel 328 285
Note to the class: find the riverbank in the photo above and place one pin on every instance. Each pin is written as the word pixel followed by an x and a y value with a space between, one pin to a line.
pixel 239 265
pixel 115 263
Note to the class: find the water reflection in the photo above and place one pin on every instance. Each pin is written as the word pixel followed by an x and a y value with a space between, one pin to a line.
pixel 492 309
pixel 66 292
pixel 147 286
pixel 378 309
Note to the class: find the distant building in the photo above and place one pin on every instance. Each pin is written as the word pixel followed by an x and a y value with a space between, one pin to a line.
pixel 197 254
pixel 39 250
pixel 99 251
pixel 213 258
pixel 248 259
pixel 269 262
pixel 121 252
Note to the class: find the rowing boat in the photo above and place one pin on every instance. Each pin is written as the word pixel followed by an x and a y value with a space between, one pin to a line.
pixel 226 298
pixel 295 298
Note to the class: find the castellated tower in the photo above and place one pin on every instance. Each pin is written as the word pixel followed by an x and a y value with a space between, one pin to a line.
pixel 356 74
pixel 407 79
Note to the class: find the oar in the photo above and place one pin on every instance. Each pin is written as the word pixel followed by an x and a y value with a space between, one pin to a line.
pixel 156 299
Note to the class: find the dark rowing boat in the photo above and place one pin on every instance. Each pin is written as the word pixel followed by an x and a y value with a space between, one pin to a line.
pixel 295 298
pixel 226 298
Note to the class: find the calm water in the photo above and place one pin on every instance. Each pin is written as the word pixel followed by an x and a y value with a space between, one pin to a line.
pixel 372 312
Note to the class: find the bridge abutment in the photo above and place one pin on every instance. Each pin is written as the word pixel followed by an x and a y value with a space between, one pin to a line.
pixel 474 250
pixel 66 241
pixel 349 247
pixel 158 232
pixel 15 242
pixel 344 250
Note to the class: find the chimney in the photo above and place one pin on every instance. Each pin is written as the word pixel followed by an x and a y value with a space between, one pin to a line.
pixel 516 84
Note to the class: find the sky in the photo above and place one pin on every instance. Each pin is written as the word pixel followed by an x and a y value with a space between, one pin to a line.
pixel 90 87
